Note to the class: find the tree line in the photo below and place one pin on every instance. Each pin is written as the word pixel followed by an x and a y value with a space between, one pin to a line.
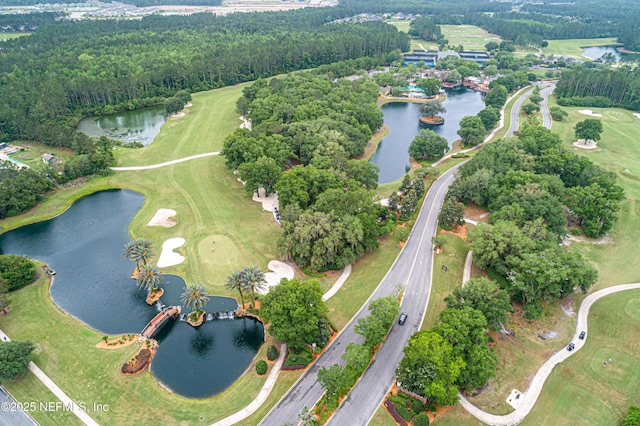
pixel 600 87
pixel 65 70
pixel 527 183
pixel 305 128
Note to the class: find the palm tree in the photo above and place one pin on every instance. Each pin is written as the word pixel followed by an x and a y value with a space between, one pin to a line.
pixel 432 108
pixel 235 282
pixel 144 250
pixel 195 297
pixel 149 278
pixel 139 251
pixel 253 278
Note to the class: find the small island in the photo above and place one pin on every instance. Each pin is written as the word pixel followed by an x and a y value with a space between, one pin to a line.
pixel 429 110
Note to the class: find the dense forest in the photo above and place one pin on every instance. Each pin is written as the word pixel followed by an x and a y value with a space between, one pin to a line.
pixel 305 127
pixel 526 183
pixel 64 70
pixel 604 87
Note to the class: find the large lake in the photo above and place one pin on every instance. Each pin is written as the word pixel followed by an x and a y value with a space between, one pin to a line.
pixel 93 283
pixel 402 118
pixel 140 125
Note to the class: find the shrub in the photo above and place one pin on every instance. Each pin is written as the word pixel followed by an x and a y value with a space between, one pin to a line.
pixel 402 233
pixel 17 271
pixel 394 413
pixel 261 367
pixel 272 353
pixel 397 399
pixel 417 406
pixel 294 367
pixel 421 419
pixel 404 412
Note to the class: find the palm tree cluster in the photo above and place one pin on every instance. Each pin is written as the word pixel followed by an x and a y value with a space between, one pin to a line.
pixel 139 251
pixel 249 278
pixel 195 297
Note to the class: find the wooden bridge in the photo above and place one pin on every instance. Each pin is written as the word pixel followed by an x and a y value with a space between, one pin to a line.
pixel 158 321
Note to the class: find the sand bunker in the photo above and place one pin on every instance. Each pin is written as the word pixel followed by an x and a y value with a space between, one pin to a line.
pixel 268 203
pixel 636 114
pixel 177 115
pixel 163 217
pixel 188 105
pixel 246 124
pixel 280 270
pixel 580 143
pixel 590 113
pixel 168 257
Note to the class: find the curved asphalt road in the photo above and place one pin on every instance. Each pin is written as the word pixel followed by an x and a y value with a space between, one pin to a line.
pixel 544 108
pixel 412 268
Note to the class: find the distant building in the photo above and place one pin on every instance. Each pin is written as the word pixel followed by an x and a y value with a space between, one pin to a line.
pixel 51 159
pixel 431 57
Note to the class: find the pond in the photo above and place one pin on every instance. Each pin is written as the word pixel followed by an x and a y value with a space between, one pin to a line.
pixel 93 283
pixel 402 118
pixel 140 125
pixel 596 52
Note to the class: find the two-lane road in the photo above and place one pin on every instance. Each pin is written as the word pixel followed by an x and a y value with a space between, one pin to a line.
pixel 412 268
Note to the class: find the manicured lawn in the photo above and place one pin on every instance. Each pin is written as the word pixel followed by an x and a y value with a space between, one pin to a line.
pixel 618 152
pixel 604 393
pixel 469 36
pixel 574 47
pixel 382 418
pixel 443 283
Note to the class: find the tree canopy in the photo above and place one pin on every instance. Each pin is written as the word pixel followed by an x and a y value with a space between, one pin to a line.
pixel 294 310
pixel 14 359
pixel 16 271
pixel 427 145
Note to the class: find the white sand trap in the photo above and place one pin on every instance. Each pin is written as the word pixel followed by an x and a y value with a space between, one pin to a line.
pixel 590 113
pixel 168 257
pixel 636 114
pixel 163 217
pixel 268 203
pixel 580 143
pixel 246 124
pixel 188 105
pixel 177 115
pixel 280 270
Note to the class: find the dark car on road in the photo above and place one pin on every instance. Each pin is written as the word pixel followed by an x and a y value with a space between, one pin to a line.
pixel 570 347
pixel 402 319
pixel 582 334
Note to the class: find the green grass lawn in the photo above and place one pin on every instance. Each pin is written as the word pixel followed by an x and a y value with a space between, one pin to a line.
pixel 443 283
pixel 469 36
pixel 573 48
pixel 32 155
pixel 581 390
pixel 9 36
pixel 618 152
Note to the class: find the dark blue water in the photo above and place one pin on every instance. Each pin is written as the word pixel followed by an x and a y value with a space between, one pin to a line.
pixel 402 118
pixel 93 283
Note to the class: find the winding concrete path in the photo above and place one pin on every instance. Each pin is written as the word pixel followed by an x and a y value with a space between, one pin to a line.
pixel 530 396
pixel 69 404
pixel 262 396
pixel 165 164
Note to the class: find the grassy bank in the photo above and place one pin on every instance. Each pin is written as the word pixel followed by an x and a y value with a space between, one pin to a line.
pixel 573 48
pixel 581 390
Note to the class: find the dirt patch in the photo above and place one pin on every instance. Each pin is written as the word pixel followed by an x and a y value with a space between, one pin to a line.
pixel 117 342
pixel 606 239
pixel 154 297
pixel 476 213
pixel 140 362
pixel 458 231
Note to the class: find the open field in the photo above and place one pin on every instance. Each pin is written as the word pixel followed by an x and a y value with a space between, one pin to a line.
pixel 604 393
pixel 469 36
pixel 573 48
pixel 443 283
pixel 9 36
pixel 32 155
pixel 618 152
